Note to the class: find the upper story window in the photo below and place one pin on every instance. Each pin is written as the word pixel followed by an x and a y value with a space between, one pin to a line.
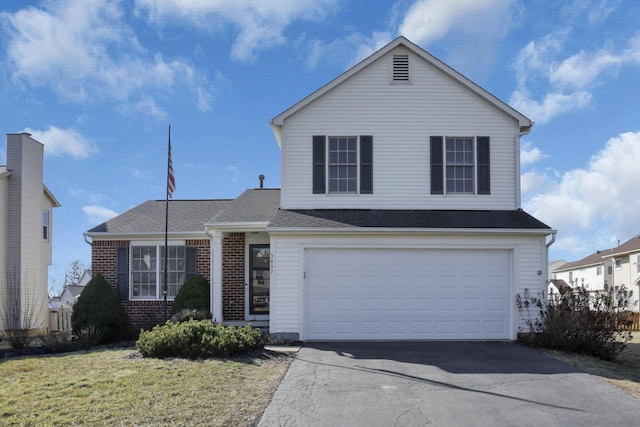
pixel 460 165
pixel 599 270
pixel 618 263
pixel 45 225
pixel 638 263
pixel 343 164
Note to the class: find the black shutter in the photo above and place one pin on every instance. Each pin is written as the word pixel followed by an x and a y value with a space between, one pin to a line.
pixel 366 164
pixel 319 169
pixel 484 178
pixel 437 170
pixel 122 268
pixel 191 262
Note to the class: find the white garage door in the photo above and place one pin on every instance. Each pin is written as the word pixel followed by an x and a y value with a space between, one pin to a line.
pixel 385 294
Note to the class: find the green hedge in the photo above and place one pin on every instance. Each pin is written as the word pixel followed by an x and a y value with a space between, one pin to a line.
pixel 198 339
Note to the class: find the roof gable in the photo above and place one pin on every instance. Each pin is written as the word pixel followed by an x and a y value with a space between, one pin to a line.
pixel 277 122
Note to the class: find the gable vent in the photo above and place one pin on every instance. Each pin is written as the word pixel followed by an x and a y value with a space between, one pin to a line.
pixel 400 68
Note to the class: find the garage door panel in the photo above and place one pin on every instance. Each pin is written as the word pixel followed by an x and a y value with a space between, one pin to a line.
pixel 406 294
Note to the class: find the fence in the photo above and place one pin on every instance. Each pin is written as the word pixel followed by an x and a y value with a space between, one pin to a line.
pixel 635 322
pixel 59 319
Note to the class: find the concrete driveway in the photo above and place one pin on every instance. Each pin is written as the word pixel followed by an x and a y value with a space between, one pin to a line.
pixel 442 384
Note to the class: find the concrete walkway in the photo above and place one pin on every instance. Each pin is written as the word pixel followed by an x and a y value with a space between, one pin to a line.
pixel 442 384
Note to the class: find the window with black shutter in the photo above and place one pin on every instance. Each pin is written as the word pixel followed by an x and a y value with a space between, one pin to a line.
pixel 342 164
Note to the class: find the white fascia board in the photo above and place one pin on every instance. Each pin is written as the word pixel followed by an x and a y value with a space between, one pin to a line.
pixel 577 267
pixel 388 230
pixel 154 235
pixel 49 194
pixel 620 253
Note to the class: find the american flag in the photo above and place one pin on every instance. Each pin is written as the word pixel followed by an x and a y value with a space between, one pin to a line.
pixel 171 181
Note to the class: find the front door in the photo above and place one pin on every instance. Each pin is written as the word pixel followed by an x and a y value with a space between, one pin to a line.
pixel 259 275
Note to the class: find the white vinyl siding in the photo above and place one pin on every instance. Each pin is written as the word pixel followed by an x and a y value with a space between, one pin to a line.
pixel 401 118
pixel 287 292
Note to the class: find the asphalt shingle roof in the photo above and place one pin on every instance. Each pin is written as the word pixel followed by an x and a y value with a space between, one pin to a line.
pixel 149 217
pixel 259 205
pixel 631 245
pixel 516 219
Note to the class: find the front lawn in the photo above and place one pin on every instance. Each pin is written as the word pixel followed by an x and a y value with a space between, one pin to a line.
pixel 623 373
pixel 119 387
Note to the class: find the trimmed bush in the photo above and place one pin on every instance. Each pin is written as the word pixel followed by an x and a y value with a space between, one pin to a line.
pixel 194 294
pixel 191 314
pixel 99 309
pixel 577 322
pixel 198 339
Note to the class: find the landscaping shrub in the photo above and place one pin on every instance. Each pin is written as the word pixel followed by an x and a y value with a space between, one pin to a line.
pixel 194 294
pixel 191 314
pixel 99 307
pixel 198 339
pixel 577 322
pixel 58 342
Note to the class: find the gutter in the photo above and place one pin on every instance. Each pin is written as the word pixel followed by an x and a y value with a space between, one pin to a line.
pixel 553 239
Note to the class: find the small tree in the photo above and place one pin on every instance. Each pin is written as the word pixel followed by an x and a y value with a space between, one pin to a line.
pixel 99 307
pixel 19 312
pixel 194 294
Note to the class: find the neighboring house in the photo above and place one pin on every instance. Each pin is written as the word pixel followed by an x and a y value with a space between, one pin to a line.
pixel 26 219
pixel 619 266
pixel 553 265
pixel 399 217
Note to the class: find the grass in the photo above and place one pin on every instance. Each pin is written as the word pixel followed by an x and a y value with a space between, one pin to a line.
pixel 118 387
pixel 623 373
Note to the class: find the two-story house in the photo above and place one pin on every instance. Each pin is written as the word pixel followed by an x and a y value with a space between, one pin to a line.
pixel 26 219
pixel 618 267
pixel 399 217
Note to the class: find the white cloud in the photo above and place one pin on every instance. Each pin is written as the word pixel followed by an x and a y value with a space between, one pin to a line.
pixel 260 25
pixel 60 142
pixel 530 154
pixel 567 82
pixel 97 214
pixel 471 28
pixel 83 50
pixel 430 20
pixel 551 106
pixel 596 204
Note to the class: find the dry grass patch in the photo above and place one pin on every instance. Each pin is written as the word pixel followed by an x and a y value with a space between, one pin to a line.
pixel 623 373
pixel 118 387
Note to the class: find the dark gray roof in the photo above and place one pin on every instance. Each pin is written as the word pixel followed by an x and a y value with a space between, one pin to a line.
pixel 516 219
pixel 149 217
pixel 259 205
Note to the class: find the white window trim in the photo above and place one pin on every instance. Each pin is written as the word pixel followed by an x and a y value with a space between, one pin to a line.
pixel 47 225
pixel 328 191
pixel 158 244
pixel 475 166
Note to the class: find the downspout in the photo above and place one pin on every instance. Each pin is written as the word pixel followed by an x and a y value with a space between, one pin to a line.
pixel 524 130
pixel 87 241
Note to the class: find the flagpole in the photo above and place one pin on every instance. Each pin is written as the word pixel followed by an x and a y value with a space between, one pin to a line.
pixel 170 188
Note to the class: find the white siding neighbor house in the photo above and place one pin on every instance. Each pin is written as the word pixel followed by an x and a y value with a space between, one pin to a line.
pixel 399 216
pixel 26 218
pixel 618 267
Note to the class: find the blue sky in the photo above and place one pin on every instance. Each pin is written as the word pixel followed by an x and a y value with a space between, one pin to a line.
pixel 98 82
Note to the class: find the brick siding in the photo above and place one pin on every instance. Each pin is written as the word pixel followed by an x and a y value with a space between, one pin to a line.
pixel 142 314
pixel 233 279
